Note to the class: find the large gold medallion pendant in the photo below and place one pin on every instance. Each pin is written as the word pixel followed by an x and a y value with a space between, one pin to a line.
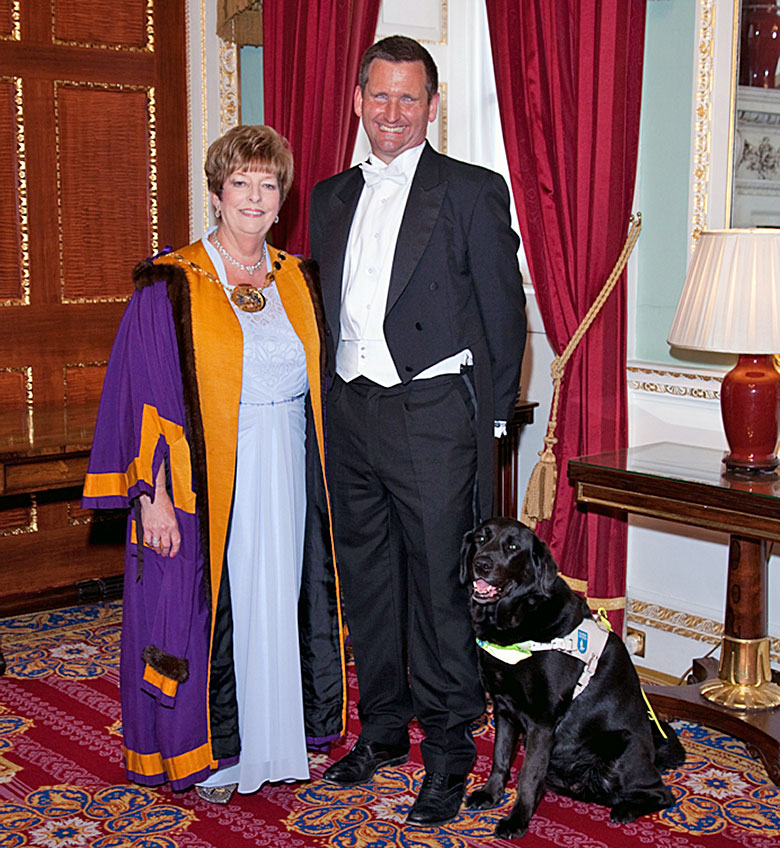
pixel 248 298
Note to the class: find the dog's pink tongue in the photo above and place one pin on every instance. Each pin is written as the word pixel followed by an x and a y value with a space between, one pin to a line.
pixel 483 587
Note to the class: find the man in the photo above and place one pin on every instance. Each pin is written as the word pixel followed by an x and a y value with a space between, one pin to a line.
pixel 425 330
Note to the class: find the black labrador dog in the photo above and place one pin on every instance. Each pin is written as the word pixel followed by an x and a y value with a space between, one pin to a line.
pixel 595 743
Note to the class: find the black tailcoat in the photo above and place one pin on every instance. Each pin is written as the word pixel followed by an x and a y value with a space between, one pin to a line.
pixel 455 281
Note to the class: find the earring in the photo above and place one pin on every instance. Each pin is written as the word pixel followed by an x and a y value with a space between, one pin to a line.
pixel 276 220
pixel 217 213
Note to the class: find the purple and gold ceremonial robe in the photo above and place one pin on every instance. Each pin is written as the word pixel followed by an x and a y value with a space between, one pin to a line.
pixel 170 398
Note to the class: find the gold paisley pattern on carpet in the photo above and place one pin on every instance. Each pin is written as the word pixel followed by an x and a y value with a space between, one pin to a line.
pixel 62 784
pixel 114 817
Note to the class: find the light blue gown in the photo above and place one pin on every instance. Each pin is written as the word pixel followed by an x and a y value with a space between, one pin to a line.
pixel 265 548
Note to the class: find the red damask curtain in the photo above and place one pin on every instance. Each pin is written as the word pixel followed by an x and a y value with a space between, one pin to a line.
pixel 311 55
pixel 569 78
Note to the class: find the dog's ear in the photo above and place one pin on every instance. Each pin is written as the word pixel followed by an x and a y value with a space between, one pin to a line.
pixel 466 553
pixel 544 566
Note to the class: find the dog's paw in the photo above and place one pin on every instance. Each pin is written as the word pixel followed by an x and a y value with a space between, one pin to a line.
pixel 512 827
pixel 482 800
pixel 623 813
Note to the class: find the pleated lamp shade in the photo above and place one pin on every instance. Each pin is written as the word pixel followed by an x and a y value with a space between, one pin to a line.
pixel 731 298
pixel 730 303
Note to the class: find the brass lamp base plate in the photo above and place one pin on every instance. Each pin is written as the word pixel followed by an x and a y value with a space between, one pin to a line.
pixel 766 696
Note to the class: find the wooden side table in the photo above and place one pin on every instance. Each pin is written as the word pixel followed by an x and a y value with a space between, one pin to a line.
pixel 689 485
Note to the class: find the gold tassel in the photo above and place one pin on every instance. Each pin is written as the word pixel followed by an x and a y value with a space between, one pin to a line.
pixel 540 493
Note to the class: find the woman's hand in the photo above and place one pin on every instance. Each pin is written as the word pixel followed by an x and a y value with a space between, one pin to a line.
pixel 161 529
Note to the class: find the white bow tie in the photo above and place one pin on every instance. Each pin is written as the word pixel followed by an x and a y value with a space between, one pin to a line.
pixel 373 174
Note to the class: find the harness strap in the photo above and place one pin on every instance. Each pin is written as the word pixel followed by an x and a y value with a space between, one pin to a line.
pixel 585 643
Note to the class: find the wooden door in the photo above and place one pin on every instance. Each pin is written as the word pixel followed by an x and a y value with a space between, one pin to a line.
pixel 93 158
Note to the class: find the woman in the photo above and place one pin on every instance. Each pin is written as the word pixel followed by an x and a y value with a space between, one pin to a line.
pixel 202 429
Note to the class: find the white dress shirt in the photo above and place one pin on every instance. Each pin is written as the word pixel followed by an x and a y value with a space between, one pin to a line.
pixel 362 348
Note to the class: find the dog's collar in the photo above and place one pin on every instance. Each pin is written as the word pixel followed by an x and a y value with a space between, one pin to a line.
pixel 586 643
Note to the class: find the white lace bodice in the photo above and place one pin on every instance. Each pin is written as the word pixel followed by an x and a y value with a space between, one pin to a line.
pixel 274 366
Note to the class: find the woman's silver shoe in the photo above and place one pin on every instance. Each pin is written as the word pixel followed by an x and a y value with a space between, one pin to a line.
pixel 217 794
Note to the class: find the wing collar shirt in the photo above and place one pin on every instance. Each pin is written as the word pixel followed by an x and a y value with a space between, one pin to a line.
pixel 362 348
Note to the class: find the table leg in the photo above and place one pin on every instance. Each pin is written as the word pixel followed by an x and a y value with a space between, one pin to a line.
pixel 744 674
pixel 506 473
pixel 741 700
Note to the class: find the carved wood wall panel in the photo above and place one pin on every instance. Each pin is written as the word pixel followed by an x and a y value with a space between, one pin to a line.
pixel 101 24
pixel 82 383
pixel 7 18
pixel 94 166
pixel 12 389
pixel 104 155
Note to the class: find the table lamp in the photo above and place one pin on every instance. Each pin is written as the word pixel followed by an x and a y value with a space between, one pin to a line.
pixel 730 303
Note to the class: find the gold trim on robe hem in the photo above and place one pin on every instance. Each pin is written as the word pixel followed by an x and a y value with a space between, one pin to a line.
pixel 173 768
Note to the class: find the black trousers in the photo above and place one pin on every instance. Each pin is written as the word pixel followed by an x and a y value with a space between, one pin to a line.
pixel 401 471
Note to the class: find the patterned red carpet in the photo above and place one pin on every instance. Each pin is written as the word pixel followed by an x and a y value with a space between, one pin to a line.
pixel 62 786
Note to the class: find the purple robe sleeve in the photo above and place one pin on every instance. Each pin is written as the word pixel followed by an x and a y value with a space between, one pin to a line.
pixel 141 413
pixel 141 424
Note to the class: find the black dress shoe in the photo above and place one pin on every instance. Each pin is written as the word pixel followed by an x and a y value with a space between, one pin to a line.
pixel 360 764
pixel 439 799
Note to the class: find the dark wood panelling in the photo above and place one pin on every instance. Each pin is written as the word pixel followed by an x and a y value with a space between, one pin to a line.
pixel 99 23
pixel 6 18
pixel 82 389
pixel 14 409
pixel 17 517
pixel 104 108
pixel 12 390
pixel 10 222
pixel 82 383
pixel 64 551
pixel 104 164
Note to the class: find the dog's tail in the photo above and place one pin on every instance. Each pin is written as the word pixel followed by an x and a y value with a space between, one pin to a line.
pixel 669 752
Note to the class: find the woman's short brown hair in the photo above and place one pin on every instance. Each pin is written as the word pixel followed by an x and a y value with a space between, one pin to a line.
pixel 249 148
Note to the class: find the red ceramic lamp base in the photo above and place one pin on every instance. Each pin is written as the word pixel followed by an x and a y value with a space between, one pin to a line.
pixel 750 405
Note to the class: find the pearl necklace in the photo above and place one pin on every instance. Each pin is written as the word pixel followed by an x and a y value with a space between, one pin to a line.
pixel 245 297
pixel 250 269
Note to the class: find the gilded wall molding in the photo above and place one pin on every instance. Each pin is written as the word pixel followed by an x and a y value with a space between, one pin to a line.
pixel 16 23
pixel 229 102
pixel 676 383
pixel 701 154
pixel 443 117
pixel 643 614
pixel 188 94
pixel 21 195
pixel 444 21
pixel 204 119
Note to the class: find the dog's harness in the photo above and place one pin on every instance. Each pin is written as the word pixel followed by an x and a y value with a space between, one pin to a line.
pixel 585 643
